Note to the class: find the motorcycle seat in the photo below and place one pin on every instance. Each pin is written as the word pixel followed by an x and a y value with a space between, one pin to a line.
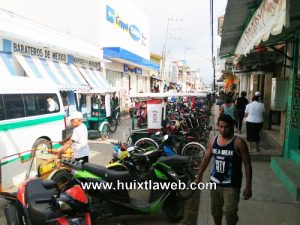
pixel 109 175
pixel 175 160
pixel 39 212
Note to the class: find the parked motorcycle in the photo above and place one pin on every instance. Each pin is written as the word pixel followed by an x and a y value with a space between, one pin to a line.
pixel 173 145
pixel 40 202
pixel 115 201
pixel 131 159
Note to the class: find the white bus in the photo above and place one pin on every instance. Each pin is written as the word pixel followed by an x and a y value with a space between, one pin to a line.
pixel 26 123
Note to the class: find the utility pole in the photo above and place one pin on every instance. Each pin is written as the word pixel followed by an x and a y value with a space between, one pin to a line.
pixel 164 53
pixel 212 43
pixel 214 72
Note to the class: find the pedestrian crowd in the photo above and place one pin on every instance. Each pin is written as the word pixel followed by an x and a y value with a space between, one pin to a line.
pixel 238 108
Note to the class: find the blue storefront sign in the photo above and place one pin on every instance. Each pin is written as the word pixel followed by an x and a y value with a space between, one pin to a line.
pixel 132 69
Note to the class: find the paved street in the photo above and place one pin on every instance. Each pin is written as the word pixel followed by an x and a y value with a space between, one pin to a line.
pixel 100 153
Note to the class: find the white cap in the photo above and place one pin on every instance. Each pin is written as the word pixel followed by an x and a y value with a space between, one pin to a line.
pixel 75 115
pixel 257 93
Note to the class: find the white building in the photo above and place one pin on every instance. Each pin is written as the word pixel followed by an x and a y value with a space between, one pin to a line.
pixel 117 27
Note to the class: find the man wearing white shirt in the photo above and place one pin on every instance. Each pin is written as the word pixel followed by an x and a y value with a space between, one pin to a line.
pixel 254 122
pixel 78 140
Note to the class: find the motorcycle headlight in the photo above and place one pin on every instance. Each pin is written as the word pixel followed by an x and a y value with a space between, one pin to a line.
pixel 64 206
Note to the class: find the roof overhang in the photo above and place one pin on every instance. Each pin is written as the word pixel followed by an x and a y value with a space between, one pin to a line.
pixel 237 14
pixel 240 18
pixel 122 55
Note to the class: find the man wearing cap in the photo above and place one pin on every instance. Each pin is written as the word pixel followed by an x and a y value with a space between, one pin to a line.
pixel 258 94
pixel 78 140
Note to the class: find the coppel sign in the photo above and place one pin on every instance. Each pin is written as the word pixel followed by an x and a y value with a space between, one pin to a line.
pixel 132 29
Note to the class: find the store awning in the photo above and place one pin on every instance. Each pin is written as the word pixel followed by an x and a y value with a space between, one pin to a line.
pixel 236 16
pixel 117 53
pixel 96 80
pixel 66 76
pixel 240 15
pixel 6 66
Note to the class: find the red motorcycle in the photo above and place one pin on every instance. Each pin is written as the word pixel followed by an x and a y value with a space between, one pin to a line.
pixel 39 202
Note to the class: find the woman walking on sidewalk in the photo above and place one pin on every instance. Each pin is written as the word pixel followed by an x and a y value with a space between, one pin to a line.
pixel 228 108
pixel 254 122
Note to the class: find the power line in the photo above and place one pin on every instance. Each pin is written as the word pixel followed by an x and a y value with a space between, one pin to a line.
pixel 212 42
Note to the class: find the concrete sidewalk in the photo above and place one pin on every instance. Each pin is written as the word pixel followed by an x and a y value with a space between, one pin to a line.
pixel 270 204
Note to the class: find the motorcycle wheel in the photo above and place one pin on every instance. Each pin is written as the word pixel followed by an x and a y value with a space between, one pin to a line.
pixel 129 140
pixel 11 214
pixel 146 144
pixel 195 150
pixel 61 178
pixel 174 207
pixel 104 132
pixel 187 193
pixel 113 125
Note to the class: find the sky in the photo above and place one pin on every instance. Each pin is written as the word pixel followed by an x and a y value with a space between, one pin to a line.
pixel 189 34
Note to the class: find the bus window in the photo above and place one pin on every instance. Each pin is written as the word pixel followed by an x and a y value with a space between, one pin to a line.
pixel 44 105
pixel 2 113
pixel 31 108
pixel 14 106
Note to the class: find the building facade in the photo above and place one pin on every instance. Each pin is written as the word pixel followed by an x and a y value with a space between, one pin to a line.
pixel 265 57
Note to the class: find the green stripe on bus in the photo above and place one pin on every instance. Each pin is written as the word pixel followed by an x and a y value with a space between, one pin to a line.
pixel 8 161
pixel 28 122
